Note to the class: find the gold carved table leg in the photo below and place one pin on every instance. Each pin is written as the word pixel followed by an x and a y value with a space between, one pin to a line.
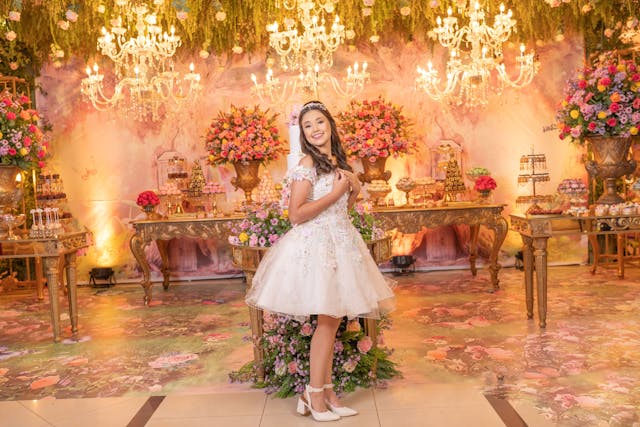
pixel 371 330
pixel 500 227
pixel 620 239
pixel 137 249
pixel 39 279
pixel 595 247
pixel 163 248
pixel 256 320
pixel 527 258
pixel 540 259
pixel 51 271
pixel 72 292
pixel 473 247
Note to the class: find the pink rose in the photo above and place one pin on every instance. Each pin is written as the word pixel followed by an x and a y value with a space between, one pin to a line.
pixel 306 330
pixel 353 326
pixel 292 367
pixel 11 115
pixel 365 344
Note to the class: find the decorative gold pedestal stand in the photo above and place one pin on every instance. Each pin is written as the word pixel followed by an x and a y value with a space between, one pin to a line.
pixel 247 258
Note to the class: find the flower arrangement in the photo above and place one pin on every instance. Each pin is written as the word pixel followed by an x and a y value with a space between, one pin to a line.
pixel 22 140
pixel 373 129
pixel 262 227
pixel 147 199
pixel 485 183
pixel 266 223
pixel 364 222
pixel 243 134
pixel 601 101
pixel 286 343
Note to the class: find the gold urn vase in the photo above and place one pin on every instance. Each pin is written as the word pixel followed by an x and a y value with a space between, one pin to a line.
pixel 10 189
pixel 374 170
pixel 247 177
pixel 610 163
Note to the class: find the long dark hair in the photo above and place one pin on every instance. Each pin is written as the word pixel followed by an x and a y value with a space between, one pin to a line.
pixel 322 161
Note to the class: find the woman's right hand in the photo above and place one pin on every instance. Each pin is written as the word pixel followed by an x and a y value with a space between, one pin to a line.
pixel 341 183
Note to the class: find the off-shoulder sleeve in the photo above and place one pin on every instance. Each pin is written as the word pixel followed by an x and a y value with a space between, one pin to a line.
pixel 300 172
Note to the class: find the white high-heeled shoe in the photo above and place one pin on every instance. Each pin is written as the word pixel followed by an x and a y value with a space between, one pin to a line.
pixel 305 407
pixel 343 411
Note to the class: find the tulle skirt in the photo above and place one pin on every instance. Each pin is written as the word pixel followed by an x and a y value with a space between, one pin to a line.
pixel 321 267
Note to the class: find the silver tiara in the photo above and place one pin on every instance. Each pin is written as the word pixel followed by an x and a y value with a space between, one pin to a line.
pixel 312 106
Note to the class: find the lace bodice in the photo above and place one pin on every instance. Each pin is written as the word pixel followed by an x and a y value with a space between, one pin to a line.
pixel 322 185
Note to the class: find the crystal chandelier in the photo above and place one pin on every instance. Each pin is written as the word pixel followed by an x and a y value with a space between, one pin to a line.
pixel 309 53
pixel 146 85
pixel 475 52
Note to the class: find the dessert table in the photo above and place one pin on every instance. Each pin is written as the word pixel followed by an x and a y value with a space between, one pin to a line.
pixel 412 219
pixel 163 230
pixel 50 250
pixel 535 231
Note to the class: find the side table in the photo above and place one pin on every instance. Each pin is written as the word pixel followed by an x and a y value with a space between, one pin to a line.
pixel 51 250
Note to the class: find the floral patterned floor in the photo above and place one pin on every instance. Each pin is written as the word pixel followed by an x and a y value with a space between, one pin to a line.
pixel 583 370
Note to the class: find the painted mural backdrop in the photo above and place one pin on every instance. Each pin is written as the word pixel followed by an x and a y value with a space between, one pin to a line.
pixel 106 160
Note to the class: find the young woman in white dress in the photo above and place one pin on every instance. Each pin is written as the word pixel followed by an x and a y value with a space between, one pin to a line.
pixel 321 266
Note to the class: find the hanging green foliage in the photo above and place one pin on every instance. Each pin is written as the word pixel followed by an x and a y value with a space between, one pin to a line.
pixel 36 31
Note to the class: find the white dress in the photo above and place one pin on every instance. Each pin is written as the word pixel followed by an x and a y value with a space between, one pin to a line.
pixel 321 266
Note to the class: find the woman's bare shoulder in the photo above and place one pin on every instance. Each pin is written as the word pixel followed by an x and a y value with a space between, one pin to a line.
pixel 306 161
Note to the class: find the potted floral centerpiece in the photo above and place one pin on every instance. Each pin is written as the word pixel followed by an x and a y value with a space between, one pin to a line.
pixel 484 185
pixel 148 200
pixel 372 131
pixel 602 106
pixel 244 137
pixel 23 145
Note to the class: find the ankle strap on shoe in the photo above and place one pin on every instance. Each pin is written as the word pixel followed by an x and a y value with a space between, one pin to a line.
pixel 328 385
pixel 313 389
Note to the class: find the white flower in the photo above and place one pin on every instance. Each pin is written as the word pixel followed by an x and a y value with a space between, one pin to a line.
pixel 204 54
pixel 586 8
pixel 182 15
pixel 405 11
pixel 366 11
pixel 349 34
pixel 158 2
pixel 433 4
pixel 13 65
pixel 221 16
pixel 63 24
pixel 14 16
pixel 368 3
pixel 329 8
pixel 71 15
pixel 374 38
pixel 10 35
pixel 608 32
pixel 237 49
pixel 60 53
pixel 101 9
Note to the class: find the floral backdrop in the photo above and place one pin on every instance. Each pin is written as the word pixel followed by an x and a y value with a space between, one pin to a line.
pixel 106 161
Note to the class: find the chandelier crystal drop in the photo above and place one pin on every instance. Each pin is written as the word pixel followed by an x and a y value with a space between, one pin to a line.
pixel 475 67
pixel 146 85
pixel 305 48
